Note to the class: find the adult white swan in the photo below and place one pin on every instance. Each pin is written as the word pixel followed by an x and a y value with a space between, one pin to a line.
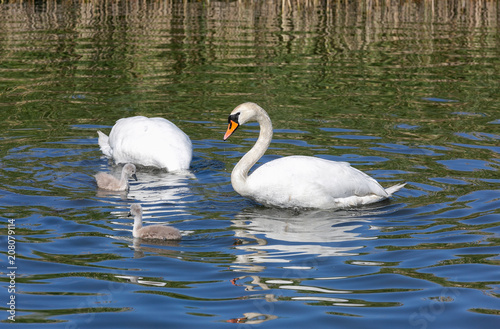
pixel 298 181
pixel 151 142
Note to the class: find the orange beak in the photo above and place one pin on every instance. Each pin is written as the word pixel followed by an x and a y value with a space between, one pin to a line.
pixel 231 128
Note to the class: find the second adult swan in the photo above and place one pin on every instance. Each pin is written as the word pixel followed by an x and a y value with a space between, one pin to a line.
pixel 298 181
pixel 150 142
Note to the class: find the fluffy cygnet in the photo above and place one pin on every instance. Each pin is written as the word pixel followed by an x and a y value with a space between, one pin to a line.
pixel 108 182
pixel 160 232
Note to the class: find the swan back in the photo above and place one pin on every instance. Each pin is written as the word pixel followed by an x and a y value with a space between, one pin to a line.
pixel 159 232
pixel 150 142
pixel 310 182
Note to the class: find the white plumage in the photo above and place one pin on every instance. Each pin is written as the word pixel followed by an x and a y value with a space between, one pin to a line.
pixel 298 181
pixel 150 142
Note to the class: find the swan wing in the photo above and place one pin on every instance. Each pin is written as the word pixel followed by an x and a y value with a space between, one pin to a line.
pixel 153 142
pixel 159 232
pixel 104 144
pixel 312 182
pixel 108 182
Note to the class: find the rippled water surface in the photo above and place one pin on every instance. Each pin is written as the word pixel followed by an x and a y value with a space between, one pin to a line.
pixel 406 91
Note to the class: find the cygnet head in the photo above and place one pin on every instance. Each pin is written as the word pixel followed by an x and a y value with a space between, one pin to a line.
pixel 129 169
pixel 135 210
pixel 241 114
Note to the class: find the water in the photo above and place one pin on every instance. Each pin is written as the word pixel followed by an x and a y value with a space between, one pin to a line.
pixel 405 91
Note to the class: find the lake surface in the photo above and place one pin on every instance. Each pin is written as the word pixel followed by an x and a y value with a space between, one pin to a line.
pixel 406 91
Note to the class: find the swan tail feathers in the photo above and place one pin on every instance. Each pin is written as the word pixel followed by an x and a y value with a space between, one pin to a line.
pixel 104 144
pixel 393 189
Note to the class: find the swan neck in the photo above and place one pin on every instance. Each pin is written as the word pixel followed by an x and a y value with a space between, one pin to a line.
pixel 240 172
pixel 124 180
pixel 137 224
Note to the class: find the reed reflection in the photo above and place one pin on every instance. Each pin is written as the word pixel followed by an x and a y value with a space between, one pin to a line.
pixel 160 23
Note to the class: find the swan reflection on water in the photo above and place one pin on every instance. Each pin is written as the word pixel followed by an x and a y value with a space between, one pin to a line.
pixel 140 280
pixel 253 318
pixel 158 186
pixel 157 191
pixel 166 195
pixel 142 247
pixel 155 247
pixel 280 233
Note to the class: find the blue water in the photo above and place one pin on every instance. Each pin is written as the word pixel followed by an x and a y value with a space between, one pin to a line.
pixel 427 258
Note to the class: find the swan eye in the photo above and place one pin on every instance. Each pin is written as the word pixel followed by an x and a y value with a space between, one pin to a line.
pixel 234 117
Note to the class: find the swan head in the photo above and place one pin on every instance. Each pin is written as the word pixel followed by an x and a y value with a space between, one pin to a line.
pixel 240 115
pixel 135 210
pixel 129 169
